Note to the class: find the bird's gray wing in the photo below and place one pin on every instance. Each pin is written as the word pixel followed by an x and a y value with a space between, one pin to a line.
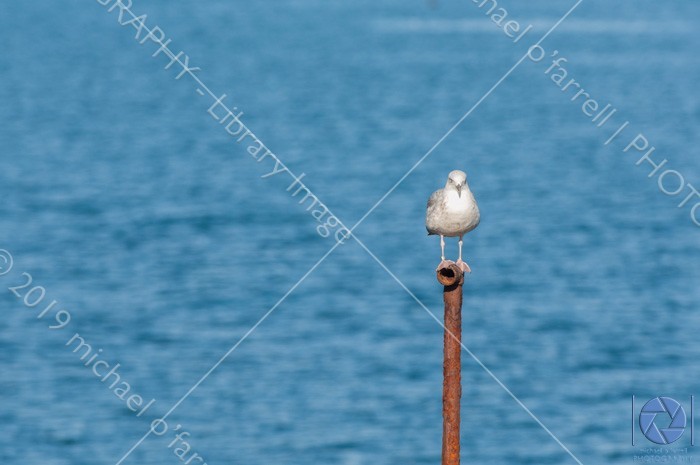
pixel 433 204
pixel 433 200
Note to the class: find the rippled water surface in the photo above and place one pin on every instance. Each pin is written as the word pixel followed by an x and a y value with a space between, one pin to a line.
pixel 135 211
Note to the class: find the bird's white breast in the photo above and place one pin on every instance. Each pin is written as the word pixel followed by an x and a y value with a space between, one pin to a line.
pixel 460 214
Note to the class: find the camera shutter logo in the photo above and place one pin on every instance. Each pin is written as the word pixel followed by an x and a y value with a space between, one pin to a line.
pixel 662 420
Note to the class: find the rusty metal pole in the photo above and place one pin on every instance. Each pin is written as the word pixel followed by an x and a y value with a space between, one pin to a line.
pixel 452 278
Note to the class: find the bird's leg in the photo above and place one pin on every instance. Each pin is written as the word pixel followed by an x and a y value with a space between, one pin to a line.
pixel 463 265
pixel 442 252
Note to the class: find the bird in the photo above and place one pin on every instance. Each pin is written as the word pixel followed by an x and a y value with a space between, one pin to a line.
pixel 452 212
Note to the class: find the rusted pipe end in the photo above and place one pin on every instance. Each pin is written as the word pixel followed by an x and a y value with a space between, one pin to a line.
pixel 449 274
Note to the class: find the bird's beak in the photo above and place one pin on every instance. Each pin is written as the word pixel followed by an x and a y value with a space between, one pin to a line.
pixel 459 190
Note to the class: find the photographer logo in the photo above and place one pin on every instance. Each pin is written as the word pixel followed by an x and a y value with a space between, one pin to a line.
pixel 662 420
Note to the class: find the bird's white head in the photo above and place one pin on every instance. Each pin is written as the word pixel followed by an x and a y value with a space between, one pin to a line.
pixel 457 180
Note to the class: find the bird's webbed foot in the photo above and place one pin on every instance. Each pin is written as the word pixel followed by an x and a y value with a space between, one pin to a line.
pixel 463 266
pixel 444 263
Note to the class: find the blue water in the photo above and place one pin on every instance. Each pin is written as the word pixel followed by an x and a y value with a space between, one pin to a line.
pixel 136 212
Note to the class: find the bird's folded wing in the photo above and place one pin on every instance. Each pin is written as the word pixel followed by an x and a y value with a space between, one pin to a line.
pixel 433 201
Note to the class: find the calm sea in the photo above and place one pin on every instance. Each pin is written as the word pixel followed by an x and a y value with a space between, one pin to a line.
pixel 133 209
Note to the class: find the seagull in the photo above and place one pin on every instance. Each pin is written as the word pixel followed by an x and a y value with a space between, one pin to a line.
pixel 452 212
